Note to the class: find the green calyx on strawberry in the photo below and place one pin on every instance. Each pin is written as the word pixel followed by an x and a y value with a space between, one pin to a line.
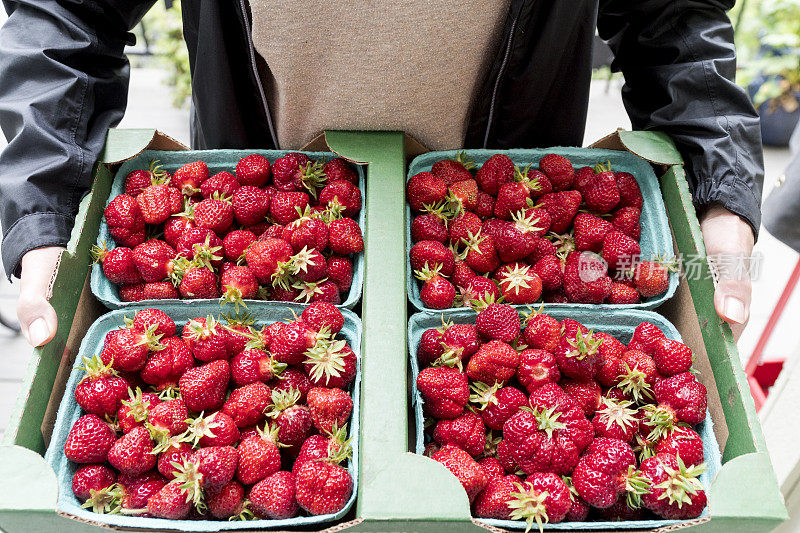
pixel 522 176
pixel 139 408
pixel 308 289
pixel 199 427
pixel 546 419
pixel 634 384
pixel 232 295
pixel 479 304
pixel 107 500
pixel 191 481
pixel 427 273
pixel 564 243
pixel 312 177
pixel 635 486
pixel 527 221
pixel 583 345
pixel 529 504
pixel 282 400
pixel 617 413
pixel 483 394
pixel 94 368
pixel 661 419
pixel 205 254
pixel 326 357
pixel 681 483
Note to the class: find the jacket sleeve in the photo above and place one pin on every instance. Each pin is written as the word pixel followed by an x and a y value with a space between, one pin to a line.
pixel 679 63
pixel 63 83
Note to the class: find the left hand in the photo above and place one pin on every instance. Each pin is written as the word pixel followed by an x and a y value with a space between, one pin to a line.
pixel 729 242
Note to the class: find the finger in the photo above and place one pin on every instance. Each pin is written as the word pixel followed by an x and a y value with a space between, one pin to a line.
pixel 732 303
pixel 37 318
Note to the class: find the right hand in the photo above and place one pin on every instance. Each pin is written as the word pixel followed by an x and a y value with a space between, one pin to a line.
pixel 37 318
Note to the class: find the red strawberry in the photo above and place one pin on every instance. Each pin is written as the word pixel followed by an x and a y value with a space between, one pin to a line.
pixel 259 456
pixel 203 388
pixel 484 207
pixel 543 497
pixel 215 466
pixel 330 408
pixel 465 194
pixel 318 447
pixel 498 322
pixel 460 339
pixel 339 169
pixel 292 340
pixel 638 375
pixel 615 420
pixel 622 294
pixel 295 172
pixel 425 189
pixel 558 170
pixel 621 511
pixel 172 502
pixel 492 467
pixel 536 368
pixel 495 361
pixel 320 315
pixel 481 253
pixel 445 391
pixel 436 292
pixel 134 410
pixel 126 349
pixel 274 496
pixel 323 487
pixel 626 220
pixel 292 419
pixel 521 286
pixel 493 501
pixel 238 283
pixel 619 250
pixel 544 247
pixel 306 232
pixel 677 493
pixel 172 450
pixel 586 394
pixel 496 171
pixel 463 274
pixel 562 208
pixel 601 193
pixel 195 280
pixel 101 390
pixel 511 197
pixel 158 202
pixel 330 363
pixel 645 336
pixel 206 338
pixel 285 207
pixel 684 398
pixel 606 471
pixel 534 180
pixel 464 467
pixel 577 355
pixel 432 254
pixel 216 429
pixel 176 225
pixel 168 418
pixel 201 243
pixel 118 264
pixel 629 193
pixel 228 502
pixel 190 177
pixel 132 454
pixel 89 440
pixel 139 180
pixel 221 184
pixel 154 259
pixel 215 214
pixel 496 405
pixel 125 221
pixel 548 269
pixel 586 278
pixel 651 278
pixel 682 442
pixel 253 170
pixel 345 196
pixel 253 365
pixel 249 205
pixel 453 170
pixel 461 227
pixel 236 242
pixel 672 357
pixel 542 331
pixel 466 432
pixel 246 404
pixel 266 258
pixel 480 291
pixel 91 479
pixel 579 509
pixel 428 227
pixel 345 237
pixel 590 231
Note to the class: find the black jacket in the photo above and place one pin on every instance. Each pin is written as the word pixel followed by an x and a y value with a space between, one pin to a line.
pixel 64 79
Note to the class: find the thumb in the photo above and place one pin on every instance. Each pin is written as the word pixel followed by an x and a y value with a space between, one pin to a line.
pixel 732 301
pixel 37 318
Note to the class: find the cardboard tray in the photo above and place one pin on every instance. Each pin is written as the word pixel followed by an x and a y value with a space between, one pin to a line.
pixel 620 325
pixel 217 161
pixel 70 411
pixel 655 239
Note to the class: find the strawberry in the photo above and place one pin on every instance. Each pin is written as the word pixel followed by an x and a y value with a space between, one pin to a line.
pixel 201 243
pixel 586 278
pixel 548 436
pixel 344 195
pixel 274 496
pixel 629 193
pixel 601 193
pixel 238 283
pixel 496 171
pixel 541 331
pixel 428 227
pixel 215 467
pixel 215 214
pixel 168 418
pixel 677 493
pixel 323 487
pixel 461 227
pixel 493 501
pixel 126 349
pixel 536 368
pixel 253 170
pixel 89 440
pixel 460 339
pixel 638 375
pixel 154 259
pixel 132 454
pixel 259 456
pixel 445 391
pixel 228 502
pixel 484 207
pixel 615 420
pixel 206 338
pixel 590 231
pixel 236 242
pixel 586 394
pixel 172 450
pixel 249 205
pixel 626 220
pixel 318 447
pixel 534 180
pixel 682 442
pixel 91 479
pixel 463 274
pixel 290 341
pixel 134 410
pixel 453 170
pixel 583 176
pixel 101 390
pixel 216 429
pixel 495 403
pixel 433 254
pixel 481 253
pixel 682 397
pixel 158 202
pixel 125 221
pixel 645 337
pixel 492 466
pixel 621 511
pixel 543 497
pixel 464 195
pixel 176 225
pixel 651 278
pixel 622 294
pixel 330 408
pixel 606 471
pixel 345 237
pixel 221 184
pixel 320 315
pixel 562 208
pixel 479 291
pixel 425 189
pixel 203 388
pixel 284 207
pixel 464 468
pixel 296 171
pixel 139 180
pixel 339 169
pixel 619 250
pixel 118 264
pixel 558 170
pixel 195 280
pixel 577 355
pixel 544 248
pixel 246 404
pixel 495 361
pixel 466 432
pixel 579 509
pixel 548 270
pixel 172 501
pixel 330 363
pixel 253 365
pixel 518 239
pixel 306 232
pixel 511 197
pixel 436 292
pixel 292 418
pixel 672 357
pixel 521 286
pixel 190 177
pixel 267 258
pixel 498 322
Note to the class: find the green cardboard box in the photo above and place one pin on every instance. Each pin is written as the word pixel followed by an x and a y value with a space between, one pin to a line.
pixel 398 490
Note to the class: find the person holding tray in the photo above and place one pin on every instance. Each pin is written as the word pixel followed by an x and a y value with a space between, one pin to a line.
pixel 499 74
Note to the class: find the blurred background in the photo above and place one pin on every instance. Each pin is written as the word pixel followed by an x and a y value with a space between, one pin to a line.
pixel 768 45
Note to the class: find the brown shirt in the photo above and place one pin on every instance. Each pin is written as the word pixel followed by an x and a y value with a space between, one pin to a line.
pixel 368 65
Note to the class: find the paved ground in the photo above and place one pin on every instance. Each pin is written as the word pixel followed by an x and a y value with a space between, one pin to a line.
pixel 148 107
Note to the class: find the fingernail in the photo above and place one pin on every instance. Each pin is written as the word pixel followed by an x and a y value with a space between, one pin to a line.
pixel 38 331
pixel 734 309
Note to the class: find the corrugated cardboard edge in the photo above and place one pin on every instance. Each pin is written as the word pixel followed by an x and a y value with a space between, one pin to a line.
pixel 333 529
pixel 615 141
pixel 157 141
pixel 413 147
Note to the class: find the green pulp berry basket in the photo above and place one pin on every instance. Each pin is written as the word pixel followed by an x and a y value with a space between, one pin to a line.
pixel 69 411
pixel 621 325
pixel 656 238
pixel 217 161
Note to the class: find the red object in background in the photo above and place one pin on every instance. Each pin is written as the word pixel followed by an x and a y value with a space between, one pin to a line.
pixel 762 375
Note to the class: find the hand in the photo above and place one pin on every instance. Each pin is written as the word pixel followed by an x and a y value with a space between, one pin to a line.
pixel 729 244
pixel 37 318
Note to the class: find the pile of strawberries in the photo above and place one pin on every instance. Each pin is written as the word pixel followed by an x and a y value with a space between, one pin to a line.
pixel 282 231
pixel 545 421
pixel 237 422
pixel 556 233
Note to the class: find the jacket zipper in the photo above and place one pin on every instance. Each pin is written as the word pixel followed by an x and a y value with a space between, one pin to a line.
pixel 256 74
pixel 497 81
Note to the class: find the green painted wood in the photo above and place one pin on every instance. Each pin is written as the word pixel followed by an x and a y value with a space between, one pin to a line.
pixel 391 478
pixel 653 146
pixel 24 428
